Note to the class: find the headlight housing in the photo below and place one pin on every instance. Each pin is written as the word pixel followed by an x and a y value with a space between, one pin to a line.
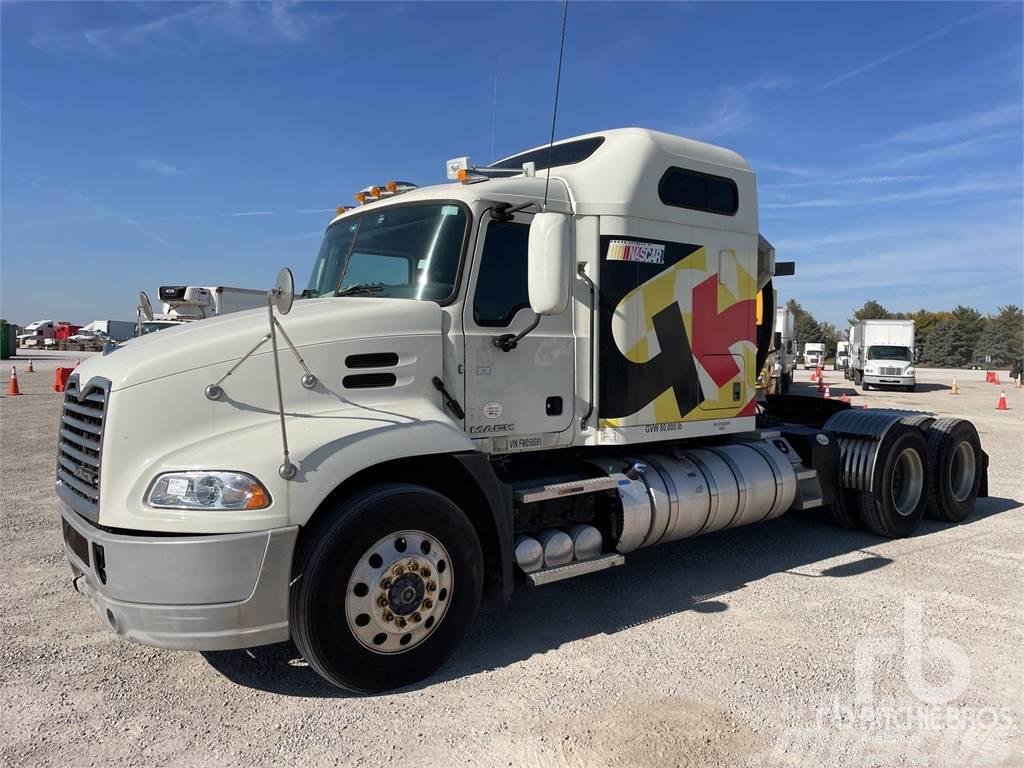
pixel 207 490
pixel 908 371
pixel 869 369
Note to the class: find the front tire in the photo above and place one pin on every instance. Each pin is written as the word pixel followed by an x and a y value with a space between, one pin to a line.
pixel 386 587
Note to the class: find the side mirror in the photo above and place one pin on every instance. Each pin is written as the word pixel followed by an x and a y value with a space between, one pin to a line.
pixel 549 263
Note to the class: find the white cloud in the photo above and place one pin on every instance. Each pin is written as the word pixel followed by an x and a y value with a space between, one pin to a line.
pixel 153 165
pixel 976 145
pixel 966 125
pixel 251 22
pixel 730 108
pixel 969 186
pixel 906 48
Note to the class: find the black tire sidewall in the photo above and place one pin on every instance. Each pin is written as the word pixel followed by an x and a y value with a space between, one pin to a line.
pixel 892 522
pixel 317 607
pixel 943 438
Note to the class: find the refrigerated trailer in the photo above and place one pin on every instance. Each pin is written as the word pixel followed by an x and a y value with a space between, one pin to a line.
pixel 491 384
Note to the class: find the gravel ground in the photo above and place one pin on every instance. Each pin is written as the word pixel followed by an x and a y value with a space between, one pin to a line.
pixel 787 643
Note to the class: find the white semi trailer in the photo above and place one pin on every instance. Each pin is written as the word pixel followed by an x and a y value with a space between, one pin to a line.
pixel 842 356
pixel 882 354
pixel 500 382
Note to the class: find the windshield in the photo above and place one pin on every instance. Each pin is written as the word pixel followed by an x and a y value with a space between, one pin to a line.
pixel 406 251
pixel 889 353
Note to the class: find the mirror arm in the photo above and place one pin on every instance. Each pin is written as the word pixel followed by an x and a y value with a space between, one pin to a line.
pixel 509 341
pixel 505 211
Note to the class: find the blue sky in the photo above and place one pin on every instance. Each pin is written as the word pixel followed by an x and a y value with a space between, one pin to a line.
pixel 159 143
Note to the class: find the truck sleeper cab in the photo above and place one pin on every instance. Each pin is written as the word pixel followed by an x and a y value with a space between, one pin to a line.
pixel 492 383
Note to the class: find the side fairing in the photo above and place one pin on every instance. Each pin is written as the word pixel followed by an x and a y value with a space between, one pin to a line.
pixel 676 331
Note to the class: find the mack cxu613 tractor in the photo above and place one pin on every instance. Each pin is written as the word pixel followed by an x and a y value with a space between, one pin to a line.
pixel 515 378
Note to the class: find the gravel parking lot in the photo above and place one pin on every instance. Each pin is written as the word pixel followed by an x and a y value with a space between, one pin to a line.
pixel 787 643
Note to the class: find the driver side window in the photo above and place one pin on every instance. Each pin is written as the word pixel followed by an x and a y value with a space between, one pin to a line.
pixel 501 284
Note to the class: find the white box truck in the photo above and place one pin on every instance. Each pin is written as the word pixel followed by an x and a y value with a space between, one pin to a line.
pixel 488 385
pixel 842 356
pixel 784 355
pixel 882 354
pixel 180 304
pixel 814 354
pixel 112 330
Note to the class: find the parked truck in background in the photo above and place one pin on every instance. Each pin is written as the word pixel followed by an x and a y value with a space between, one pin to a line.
pixel 784 354
pixel 814 354
pixel 36 333
pixel 491 384
pixel 842 359
pixel 882 354
pixel 180 304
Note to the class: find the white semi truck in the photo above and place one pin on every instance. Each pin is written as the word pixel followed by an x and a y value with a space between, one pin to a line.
pixel 520 377
pixel 882 354
pixel 36 333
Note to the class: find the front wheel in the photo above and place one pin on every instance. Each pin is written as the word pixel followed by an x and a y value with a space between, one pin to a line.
pixel 385 587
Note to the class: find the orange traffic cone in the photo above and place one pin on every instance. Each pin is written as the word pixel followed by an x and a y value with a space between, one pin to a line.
pixel 990 377
pixel 1002 401
pixel 29 368
pixel 828 394
pixel 13 389
pixel 995 378
pixel 954 390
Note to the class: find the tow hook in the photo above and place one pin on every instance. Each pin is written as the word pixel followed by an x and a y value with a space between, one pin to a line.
pixel 74 584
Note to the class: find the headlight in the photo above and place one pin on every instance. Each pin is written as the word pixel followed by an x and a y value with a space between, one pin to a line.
pixel 207 490
pixel 869 369
pixel 908 371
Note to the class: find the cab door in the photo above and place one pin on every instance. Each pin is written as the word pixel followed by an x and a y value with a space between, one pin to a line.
pixel 527 390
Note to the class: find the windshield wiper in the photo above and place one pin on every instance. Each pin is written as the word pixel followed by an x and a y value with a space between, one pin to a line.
pixel 358 288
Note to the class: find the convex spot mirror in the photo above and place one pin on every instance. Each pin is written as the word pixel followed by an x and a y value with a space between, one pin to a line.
pixel 549 263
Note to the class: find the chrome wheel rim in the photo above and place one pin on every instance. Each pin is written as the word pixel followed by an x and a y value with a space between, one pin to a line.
pixel 907 482
pixel 399 592
pixel 961 471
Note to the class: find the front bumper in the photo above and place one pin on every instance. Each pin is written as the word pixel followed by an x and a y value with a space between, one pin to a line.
pixel 204 593
pixel 890 381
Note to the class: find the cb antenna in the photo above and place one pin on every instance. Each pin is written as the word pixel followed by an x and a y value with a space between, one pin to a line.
pixel 554 111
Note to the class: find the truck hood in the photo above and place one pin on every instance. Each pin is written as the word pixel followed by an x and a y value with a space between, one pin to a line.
pixel 227 338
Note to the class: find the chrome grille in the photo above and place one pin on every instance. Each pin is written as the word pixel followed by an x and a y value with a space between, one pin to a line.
pixel 889 371
pixel 80 444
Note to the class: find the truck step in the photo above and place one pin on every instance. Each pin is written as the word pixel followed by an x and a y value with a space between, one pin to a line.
pixel 580 568
pixel 807 502
pixel 558 490
pixel 806 474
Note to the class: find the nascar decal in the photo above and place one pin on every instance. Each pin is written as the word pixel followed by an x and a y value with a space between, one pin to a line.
pixel 627 250
pixel 677 337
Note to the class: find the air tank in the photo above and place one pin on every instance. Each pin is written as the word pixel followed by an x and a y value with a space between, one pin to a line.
pixel 557 547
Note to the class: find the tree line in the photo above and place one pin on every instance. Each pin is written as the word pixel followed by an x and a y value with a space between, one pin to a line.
pixel 956 338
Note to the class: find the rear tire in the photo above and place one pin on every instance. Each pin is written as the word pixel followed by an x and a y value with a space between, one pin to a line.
pixel 954 469
pixel 843 511
pixel 341 568
pixel 897 501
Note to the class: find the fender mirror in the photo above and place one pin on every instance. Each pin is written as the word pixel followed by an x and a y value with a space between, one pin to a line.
pixel 549 263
